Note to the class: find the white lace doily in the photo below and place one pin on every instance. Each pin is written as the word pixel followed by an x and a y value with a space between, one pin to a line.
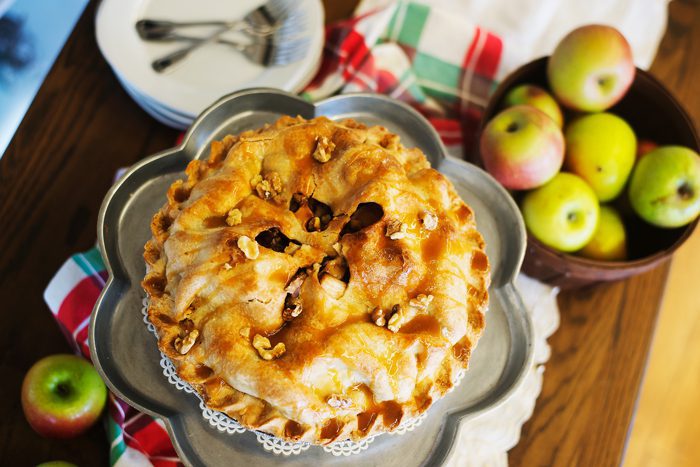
pixel 485 440
pixel 226 424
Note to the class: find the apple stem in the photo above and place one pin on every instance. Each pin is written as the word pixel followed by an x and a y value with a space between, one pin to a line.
pixel 62 389
pixel 685 191
pixel 512 127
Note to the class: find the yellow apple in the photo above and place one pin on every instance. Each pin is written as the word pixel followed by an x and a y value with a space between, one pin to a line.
pixel 562 213
pixel 609 241
pixel 535 96
pixel 601 148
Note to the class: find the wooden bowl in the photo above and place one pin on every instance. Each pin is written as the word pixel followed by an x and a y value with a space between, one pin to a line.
pixel 654 114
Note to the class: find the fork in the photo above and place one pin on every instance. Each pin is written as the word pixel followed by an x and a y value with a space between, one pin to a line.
pixel 265 51
pixel 273 13
pixel 262 21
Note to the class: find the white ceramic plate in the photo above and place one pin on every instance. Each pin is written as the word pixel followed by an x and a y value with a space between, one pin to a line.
pixel 158 111
pixel 210 72
pixel 151 108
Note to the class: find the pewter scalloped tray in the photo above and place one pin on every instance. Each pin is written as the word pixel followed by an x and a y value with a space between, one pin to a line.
pixel 128 359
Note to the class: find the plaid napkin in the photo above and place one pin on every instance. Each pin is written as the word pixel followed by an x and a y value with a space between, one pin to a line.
pixel 441 64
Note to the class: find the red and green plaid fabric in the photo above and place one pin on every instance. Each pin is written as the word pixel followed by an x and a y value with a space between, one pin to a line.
pixel 135 438
pixel 442 65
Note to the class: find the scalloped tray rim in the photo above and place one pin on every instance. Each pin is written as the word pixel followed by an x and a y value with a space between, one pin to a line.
pixel 444 446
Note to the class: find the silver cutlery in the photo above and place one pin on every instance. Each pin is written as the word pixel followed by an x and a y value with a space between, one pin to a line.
pixel 163 63
pixel 262 21
pixel 275 23
pixel 264 51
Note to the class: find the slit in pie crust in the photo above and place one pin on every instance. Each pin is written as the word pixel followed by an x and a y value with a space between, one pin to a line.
pixel 316 280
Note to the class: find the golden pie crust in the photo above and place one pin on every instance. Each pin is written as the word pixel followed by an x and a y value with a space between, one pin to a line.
pixel 316 280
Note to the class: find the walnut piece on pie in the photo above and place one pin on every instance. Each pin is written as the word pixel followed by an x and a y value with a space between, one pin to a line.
pixel 265 349
pixel 429 220
pixel 316 280
pixel 234 217
pixel 184 344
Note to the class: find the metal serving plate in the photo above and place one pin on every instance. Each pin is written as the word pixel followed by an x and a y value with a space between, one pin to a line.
pixel 127 357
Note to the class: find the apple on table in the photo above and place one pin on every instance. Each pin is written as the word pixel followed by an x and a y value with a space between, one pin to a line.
pixel 62 396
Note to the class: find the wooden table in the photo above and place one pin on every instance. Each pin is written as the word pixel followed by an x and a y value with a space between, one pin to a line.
pixel 82 127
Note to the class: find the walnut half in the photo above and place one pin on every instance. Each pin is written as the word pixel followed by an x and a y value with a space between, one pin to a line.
pixel 429 220
pixel 234 217
pixel 292 308
pixel 248 247
pixel 420 302
pixel 265 349
pixel 292 303
pixel 267 187
pixel 338 401
pixel 397 319
pixel 378 317
pixel 323 150
pixel 184 344
pixel 396 230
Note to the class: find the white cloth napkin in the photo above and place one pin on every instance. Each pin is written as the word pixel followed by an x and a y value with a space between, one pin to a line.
pixel 486 439
pixel 532 28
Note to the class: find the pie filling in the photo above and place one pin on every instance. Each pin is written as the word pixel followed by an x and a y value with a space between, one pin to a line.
pixel 316 280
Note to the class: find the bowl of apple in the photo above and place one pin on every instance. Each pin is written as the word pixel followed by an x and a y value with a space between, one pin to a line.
pixel 601 158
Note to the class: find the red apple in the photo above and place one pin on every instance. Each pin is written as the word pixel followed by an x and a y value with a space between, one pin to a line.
pixel 62 396
pixel 591 68
pixel 522 147
pixel 645 146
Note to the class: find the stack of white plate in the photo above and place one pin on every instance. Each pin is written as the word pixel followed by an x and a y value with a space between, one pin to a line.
pixel 177 96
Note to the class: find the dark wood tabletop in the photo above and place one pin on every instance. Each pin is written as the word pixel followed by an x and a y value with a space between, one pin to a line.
pixel 82 127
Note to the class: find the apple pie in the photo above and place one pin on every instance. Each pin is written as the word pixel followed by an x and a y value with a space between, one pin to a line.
pixel 316 280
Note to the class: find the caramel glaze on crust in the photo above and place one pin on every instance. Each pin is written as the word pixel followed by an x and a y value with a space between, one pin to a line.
pixel 316 280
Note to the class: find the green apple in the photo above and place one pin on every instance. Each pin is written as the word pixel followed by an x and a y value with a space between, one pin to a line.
pixel 62 396
pixel 609 241
pixel 665 186
pixel 529 94
pixel 591 69
pixel 563 213
pixel 601 148
pixel 522 147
